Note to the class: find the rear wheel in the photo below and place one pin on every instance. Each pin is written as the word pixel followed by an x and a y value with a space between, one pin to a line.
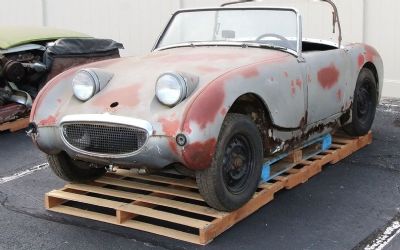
pixel 364 104
pixel 235 172
pixel 72 170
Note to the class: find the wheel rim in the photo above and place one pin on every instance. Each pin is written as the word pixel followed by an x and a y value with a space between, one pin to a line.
pixel 364 103
pixel 238 164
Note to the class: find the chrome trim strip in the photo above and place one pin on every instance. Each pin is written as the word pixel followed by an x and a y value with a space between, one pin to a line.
pixel 111 119
pixel 299 37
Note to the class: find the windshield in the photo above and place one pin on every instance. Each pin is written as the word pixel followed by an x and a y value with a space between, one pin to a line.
pixel 268 27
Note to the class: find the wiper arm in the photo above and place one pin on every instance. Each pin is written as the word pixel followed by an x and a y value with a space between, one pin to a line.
pixel 263 45
pixel 273 47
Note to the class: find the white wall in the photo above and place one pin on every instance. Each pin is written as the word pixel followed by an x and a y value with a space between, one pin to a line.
pixel 382 24
pixel 134 23
pixel 21 12
pixel 137 23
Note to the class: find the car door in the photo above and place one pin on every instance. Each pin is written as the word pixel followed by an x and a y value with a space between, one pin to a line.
pixel 327 78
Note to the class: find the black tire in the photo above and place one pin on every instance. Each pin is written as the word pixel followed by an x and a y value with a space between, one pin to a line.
pixel 235 171
pixel 364 104
pixel 71 170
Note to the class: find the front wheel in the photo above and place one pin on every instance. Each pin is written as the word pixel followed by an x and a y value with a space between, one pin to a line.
pixel 364 104
pixel 235 171
pixel 72 170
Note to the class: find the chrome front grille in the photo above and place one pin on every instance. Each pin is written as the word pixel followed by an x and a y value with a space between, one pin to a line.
pixel 107 139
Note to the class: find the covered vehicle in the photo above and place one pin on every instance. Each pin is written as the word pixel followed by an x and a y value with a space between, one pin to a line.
pixel 30 56
pixel 223 89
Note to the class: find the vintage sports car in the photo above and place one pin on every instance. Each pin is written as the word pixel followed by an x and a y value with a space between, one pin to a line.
pixel 30 56
pixel 219 93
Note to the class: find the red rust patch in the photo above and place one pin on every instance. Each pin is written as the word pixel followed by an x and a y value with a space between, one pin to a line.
pixel 293 88
pixel 206 107
pixel 170 127
pixel 299 83
pixel 187 128
pixel 272 79
pixel 370 53
pixel 49 121
pixel 125 96
pixel 199 155
pixel 249 72
pixel 286 74
pixel 207 69
pixel 361 60
pixel 328 76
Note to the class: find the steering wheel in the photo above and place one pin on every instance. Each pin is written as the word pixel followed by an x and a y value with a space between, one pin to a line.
pixel 282 38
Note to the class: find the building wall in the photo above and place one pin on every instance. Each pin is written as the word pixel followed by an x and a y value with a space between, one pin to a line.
pixel 137 23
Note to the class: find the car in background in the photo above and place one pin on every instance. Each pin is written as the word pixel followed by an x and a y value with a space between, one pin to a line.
pixel 31 56
pixel 223 90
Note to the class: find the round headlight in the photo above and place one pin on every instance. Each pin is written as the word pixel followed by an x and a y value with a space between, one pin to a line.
pixel 85 85
pixel 171 89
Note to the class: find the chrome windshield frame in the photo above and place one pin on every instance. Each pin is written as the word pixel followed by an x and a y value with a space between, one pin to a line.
pixel 298 53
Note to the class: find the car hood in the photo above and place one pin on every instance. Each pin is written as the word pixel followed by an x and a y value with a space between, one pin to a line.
pixel 11 36
pixel 133 84
pixel 134 78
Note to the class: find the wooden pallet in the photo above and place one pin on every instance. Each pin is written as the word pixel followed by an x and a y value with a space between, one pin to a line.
pixel 170 205
pixel 16 125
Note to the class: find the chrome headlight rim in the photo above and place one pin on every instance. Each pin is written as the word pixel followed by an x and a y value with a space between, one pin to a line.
pixel 182 86
pixel 95 82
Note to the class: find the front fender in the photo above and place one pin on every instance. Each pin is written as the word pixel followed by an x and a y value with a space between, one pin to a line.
pixel 46 110
pixel 272 80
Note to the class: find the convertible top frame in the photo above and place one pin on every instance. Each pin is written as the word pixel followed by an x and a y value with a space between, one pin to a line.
pixel 335 14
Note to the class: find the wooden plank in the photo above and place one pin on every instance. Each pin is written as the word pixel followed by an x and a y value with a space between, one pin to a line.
pixel 219 226
pixel 313 169
pixel 296 179
pixel 85 199
pixel 165 216
pixel 175 234
pixel 151 188
pixel 150 199
pixel 294 157
pixel 306 162
pixel 144 211
pixel 189 183
pixel 342 141
pixel 15 125
pixel 50 202
pixel 293 171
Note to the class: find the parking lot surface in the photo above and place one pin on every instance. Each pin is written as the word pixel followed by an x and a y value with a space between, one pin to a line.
pixel 349 205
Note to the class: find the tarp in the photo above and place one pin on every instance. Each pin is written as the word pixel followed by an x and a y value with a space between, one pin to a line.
pixel 71 46
pixel 11 36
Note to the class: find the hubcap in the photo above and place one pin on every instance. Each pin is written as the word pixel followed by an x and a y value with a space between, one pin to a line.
pixel 238 163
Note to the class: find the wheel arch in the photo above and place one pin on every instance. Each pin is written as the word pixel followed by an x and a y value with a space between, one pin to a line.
pixel 371 66
pixel 252 105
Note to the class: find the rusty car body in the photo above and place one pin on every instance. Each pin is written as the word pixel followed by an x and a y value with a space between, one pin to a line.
pixel 211 100
pixel 30 56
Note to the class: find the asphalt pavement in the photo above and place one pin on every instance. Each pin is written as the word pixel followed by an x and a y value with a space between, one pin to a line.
pixel 354 204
